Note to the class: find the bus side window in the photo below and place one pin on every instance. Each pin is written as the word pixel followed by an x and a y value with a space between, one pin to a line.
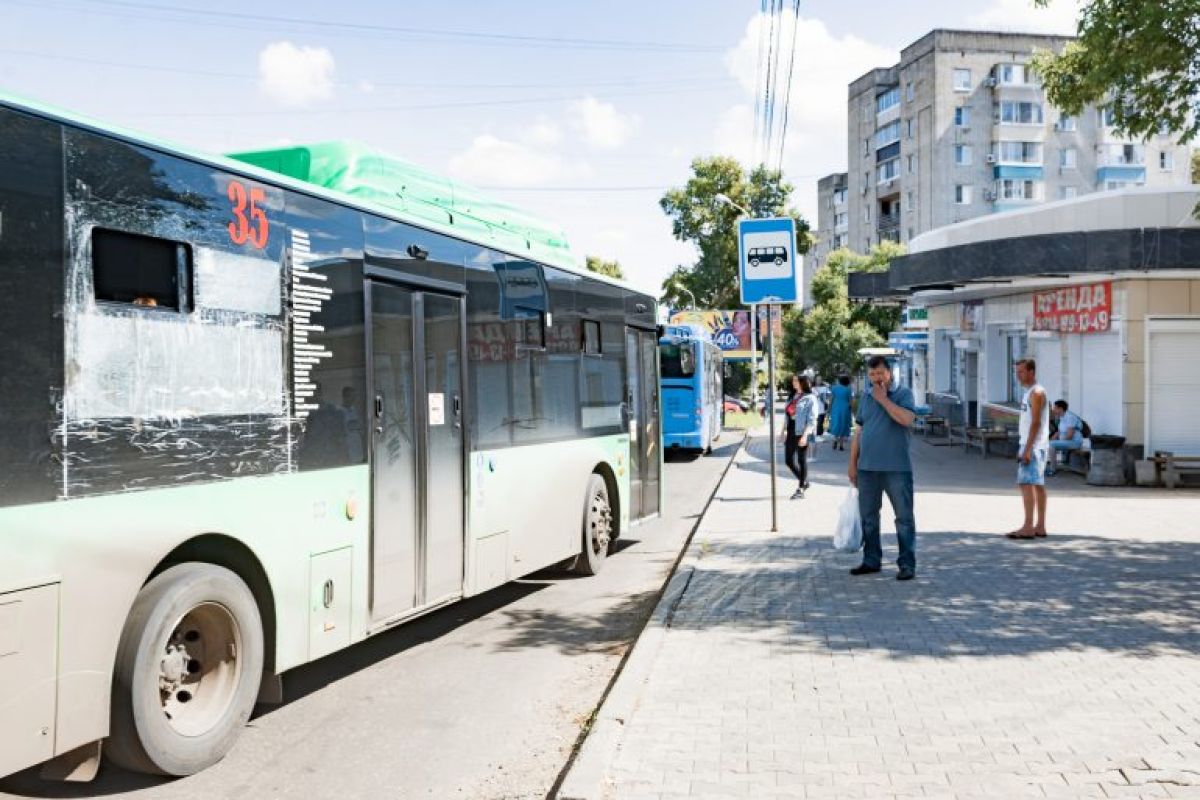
pixel 141 270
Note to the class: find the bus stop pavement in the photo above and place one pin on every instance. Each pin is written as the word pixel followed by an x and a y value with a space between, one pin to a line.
pixel 1064 667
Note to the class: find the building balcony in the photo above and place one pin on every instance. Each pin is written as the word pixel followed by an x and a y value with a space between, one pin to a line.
pixel 887 223
pixel 1020 172
pixel 1124 173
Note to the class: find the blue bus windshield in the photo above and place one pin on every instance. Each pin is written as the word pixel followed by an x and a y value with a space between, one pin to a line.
pixel 677 360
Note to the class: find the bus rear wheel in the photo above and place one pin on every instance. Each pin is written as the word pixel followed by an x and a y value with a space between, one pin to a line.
pixel 597 528
pixel 187 671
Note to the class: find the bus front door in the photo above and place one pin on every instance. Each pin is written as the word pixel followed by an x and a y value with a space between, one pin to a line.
pixel 416 346
pixel 641 399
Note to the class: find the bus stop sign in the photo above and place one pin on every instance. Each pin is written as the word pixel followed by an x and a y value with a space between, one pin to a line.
pixel 767 261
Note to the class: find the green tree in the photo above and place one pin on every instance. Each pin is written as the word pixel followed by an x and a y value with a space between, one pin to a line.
pixel 610 268
pixel 697 216
pixel 1196 166
pixel 1141 58
pixel 827 338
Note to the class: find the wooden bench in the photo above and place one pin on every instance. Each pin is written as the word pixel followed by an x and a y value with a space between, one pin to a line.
pixel 1078 461
pixel 983 438
pixel 1171 469
pixel 927 423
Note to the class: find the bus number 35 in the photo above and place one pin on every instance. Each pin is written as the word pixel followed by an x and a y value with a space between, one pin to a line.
pixel 253 228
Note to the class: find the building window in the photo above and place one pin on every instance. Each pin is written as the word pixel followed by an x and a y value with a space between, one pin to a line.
pixel 1066 123
pixel 1010 73
pixel 908 91
pixel 1016 112
pixel 867 213
pixel 962 117
pixel 1068 158
pixel 962 155
pixel 591 337
pixel 1123 155
pixel 1015 343
pixel 908 128
pixel 962 195
pixel 912 164
pixel 1019 152
pixel 1067 192
pixel 962 80
pixel 887 134
pixel 1106 117
pixel 1166 161
pixel 909 200
pixel 889 170
pixel 1013 189
pixel 867 146
pixel 888 100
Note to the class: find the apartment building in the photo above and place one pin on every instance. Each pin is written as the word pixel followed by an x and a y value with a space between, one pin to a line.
pixel 833 222
pixel 961 128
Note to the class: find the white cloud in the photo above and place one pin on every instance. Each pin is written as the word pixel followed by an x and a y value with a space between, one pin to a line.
pixel 543 133
pixel 816 134
pixel 601 124
pixel 295 76
pixel 1058 17
pixel 493 161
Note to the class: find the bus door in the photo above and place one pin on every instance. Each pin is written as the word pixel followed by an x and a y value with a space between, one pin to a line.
pixel 641 399
pixel 416 345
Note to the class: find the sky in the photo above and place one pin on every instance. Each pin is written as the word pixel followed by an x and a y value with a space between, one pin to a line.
pixel 583 112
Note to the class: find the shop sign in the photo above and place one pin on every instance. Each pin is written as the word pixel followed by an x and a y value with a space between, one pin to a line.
pixel 1074 309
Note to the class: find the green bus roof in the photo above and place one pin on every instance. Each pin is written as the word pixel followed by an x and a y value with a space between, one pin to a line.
pixel 381 179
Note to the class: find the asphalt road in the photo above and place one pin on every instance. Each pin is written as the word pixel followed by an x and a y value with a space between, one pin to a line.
pixel 484 699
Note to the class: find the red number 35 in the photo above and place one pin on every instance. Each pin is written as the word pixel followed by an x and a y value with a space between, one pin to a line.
pixel 253 228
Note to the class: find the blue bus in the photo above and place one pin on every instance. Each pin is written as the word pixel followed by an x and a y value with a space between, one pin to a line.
pixel 692 388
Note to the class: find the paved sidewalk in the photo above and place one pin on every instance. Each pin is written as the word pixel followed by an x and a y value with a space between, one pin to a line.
pixel 1059 668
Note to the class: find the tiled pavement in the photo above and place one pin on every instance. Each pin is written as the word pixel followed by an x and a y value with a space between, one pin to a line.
pixel 1068 667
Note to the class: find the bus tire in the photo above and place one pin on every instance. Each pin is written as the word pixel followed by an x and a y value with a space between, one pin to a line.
pixel 187 671
pixel 597 528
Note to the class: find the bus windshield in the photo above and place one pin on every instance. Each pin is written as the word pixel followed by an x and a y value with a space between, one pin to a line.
pixel 678 361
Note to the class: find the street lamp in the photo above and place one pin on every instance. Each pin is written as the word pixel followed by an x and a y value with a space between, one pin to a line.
pixel 724 198
pixel 689 291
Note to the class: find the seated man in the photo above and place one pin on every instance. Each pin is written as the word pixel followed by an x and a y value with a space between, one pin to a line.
pixel 1069 435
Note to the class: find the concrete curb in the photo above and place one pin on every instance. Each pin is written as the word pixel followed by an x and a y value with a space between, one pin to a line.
pixel 587 777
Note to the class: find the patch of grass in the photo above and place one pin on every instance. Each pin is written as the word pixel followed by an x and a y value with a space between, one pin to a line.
pixel 743 420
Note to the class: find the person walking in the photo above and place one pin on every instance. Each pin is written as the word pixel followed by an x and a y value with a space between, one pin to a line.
pixel 798 431
pixel 880 464
pixel 839 412
pixel 1032 451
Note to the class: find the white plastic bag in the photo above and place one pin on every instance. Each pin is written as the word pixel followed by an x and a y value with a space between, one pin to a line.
pixel 847 536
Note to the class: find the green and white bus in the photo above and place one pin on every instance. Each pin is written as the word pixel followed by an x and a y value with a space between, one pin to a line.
pixel 256 409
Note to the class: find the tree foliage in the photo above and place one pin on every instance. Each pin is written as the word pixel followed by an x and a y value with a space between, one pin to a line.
pixel 610 268
pixel 827 338
pixel 1141 58
pixel 697 216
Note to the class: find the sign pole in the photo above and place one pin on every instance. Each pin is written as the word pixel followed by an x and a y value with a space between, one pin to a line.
pixel 754 356
pixel 771 415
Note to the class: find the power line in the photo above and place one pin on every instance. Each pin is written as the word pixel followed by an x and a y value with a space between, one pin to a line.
pixel 515 40
pixel 758 76
pixel 787 95
pixel 767 97
pixel 414 106
pixel 377 84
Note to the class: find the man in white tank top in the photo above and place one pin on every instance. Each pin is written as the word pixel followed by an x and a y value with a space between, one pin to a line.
pixel 1032 451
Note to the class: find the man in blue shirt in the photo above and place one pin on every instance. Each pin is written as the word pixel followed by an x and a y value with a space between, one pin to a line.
pixel 880 463
pixel 1069 435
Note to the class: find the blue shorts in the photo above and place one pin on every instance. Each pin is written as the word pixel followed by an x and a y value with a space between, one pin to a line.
pixel 1033 473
